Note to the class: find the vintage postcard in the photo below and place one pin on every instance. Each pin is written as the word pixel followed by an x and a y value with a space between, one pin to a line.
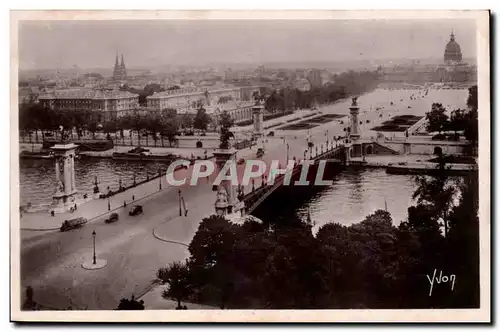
pixel 257 166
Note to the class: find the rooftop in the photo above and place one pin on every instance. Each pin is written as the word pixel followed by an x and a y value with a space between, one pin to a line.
pixel 88 94
pixel 190 91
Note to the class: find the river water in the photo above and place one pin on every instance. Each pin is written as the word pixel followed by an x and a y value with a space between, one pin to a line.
pixel 37 177
pixel 354 194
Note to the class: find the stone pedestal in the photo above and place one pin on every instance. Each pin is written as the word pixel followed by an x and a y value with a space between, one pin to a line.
pixel 64 196
pixel 258 121
pixel 227 201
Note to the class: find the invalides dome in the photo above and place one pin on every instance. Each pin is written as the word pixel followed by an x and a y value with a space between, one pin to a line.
pixel 452 52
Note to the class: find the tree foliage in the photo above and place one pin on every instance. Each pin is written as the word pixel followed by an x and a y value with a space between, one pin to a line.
pixel 437 120
pixel 176 275
pixel 201 119
pixel 226 122
pixel 132 304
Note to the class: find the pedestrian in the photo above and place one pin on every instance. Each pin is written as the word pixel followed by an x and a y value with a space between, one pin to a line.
pixel 75 207
pixel 52 213
pixel 124 204
pixel 133 197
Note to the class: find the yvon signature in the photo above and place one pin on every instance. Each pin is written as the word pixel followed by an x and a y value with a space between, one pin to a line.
pixel 442 279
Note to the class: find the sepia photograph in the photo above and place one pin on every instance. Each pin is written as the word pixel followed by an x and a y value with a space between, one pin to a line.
pixel 330 166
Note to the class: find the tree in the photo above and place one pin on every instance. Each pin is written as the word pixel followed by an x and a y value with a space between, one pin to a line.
pixel 132 304
pixel 472 98
pixel 186 121
pixel 457 120
pixel 176 275
pixel 201 120
pixel 212 258
pixel 471 131
pixel 170 125
pixel 138 124
pixel 154 125
pixel 110 127
pixel 92 123
pixel 436 193
pixel 225 134
pixel 437 120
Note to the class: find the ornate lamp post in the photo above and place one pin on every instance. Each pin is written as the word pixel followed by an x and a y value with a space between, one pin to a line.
pixel 180 208
pixel 93 236
pixel 159 177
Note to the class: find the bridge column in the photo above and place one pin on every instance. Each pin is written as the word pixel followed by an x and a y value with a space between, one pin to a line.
pixel 258 120
pixel 63 198
pixel 354 111
pixel 227 198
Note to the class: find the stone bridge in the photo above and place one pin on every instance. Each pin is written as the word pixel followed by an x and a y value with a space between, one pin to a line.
pixel 252 199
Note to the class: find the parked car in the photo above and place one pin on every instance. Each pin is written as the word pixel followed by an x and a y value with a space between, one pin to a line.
pixel 271 133
pixel 260 152
pixel 68 225
pixel 135 210
pixel 112 218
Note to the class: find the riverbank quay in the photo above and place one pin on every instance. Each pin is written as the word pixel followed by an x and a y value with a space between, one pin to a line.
pixel 410 164
pixel 155 151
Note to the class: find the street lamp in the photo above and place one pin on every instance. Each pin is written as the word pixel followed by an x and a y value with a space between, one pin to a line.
pixel 180 209
pixel 93 236
pixel 159 177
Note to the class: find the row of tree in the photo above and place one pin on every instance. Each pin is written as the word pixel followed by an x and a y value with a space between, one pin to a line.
pixel 35 118
pixel 346 84
pixel 459 119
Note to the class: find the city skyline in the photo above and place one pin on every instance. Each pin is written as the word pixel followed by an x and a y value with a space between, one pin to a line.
pixel 52 44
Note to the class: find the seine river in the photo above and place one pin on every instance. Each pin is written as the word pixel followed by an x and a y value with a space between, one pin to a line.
pixel 37 177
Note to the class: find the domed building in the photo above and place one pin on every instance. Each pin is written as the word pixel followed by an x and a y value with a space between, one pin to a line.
pixel 452 52
pixel 454 70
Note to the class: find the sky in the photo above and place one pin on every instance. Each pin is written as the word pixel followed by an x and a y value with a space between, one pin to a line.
pixel 94 44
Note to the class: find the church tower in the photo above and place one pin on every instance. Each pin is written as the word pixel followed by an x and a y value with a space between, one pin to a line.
pixel 123 69
pixel 120 71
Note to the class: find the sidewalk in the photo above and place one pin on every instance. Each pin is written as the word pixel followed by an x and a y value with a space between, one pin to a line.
pixel 181 229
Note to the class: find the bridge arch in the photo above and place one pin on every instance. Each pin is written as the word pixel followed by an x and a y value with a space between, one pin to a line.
pixel 369 149
pixel 438 150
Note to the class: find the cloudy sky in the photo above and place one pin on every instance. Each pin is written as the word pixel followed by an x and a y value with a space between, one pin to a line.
pixel 93 44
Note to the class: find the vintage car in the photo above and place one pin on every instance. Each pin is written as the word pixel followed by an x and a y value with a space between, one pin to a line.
pixel 68 225
pixel 137 209
pixel 112 218
pixel 260 152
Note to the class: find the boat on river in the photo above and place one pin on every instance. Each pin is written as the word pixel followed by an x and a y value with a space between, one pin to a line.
pixel 36 155
pixel 141 154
